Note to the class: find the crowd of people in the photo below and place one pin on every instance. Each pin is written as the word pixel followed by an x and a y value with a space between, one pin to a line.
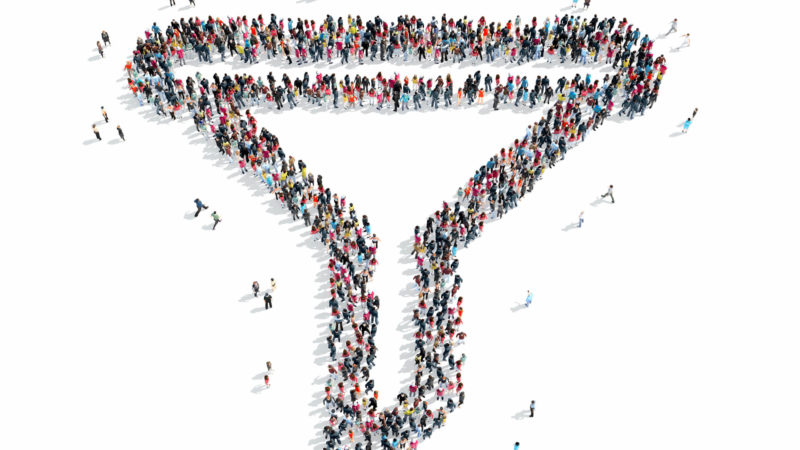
pixel 355 419
pixel 408 40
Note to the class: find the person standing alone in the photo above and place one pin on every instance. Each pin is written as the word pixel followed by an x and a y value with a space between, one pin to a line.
pixel 609 193
pixel 105 114
pixel 533 406
pixel 256 287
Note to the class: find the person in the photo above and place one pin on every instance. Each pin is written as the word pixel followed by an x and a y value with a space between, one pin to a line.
pixel 272 282
pixel 267 300
pixel 200 206
pixel 686 125
pixel 694 113
pixel 580 219
pixel 686 41
pixel 533 406
pixel 269 366
pixel 586 4
pixel 266 381
pixel 610 193
pixel 574 3
pixel 191 2
pixel 172 2
pixel 528 299
pixel 255 288
pixel 96 132
pixel 100 49
pixel 121 134
pixel 673 27
pixel 516 446
pixel 106 39
pixel 217 220
pixel 105 114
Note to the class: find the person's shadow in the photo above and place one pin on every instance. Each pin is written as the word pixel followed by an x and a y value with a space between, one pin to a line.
pixel 569 227
pixel 522 415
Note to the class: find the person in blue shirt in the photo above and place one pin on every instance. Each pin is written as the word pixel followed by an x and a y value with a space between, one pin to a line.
pixel 200 206
pixel 528 301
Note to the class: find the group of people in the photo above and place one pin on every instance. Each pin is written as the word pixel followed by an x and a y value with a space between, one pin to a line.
pixel 443 40
pixel 355 420
pixel 105 118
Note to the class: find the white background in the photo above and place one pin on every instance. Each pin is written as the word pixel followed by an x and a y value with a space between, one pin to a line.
pixel 668 321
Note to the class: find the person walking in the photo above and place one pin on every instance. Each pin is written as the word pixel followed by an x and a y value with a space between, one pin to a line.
pixel 100 49
pixel 121 134
pixel 580 219
pixel 516 446
pixel 609 193
pixel 686 41
pixel 272 283
pixel 200 206
pixel 267 301
pixel 172 2
pixel 694 113
pixel 673 27
pixel 686 125
pixel 96 132
pixel 528 299
pixel 191 2
pixel 266 381
pixel 586 4
pixel 105 114
pixel 217 220
pixel 255 288
pixel 106 39
pixel 533 406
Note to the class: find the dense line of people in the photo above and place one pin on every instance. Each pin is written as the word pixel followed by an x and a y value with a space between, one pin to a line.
pixel 455 40
pixel 378 92
pixel 355 419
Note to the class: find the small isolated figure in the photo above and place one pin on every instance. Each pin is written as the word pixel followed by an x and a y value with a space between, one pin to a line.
pixel 217 220
pixel 610 192
pixel 580 219
pixel 96 132
pixel 100 49
pixel 529 299
pixel 266 381
pixel 106 39
pixel 269 366
pixel 533 406
pixel 272 282
pixel 267 300
pixel 121 134
pixel 105 114
pixel 255 288
pixel 694 113
pixel 686 125
pixel 673 27
pixel 516 446
pixel 200 206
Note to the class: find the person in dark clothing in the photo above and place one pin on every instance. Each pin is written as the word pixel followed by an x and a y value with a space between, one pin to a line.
pixel 96 133
pixel 200 206
pixel 121 134
pixel 267 300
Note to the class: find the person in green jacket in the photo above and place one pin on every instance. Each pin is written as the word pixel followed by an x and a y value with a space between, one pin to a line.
pixel 216 218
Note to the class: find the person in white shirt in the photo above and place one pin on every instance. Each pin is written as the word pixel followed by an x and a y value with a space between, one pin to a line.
pixel 609 193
